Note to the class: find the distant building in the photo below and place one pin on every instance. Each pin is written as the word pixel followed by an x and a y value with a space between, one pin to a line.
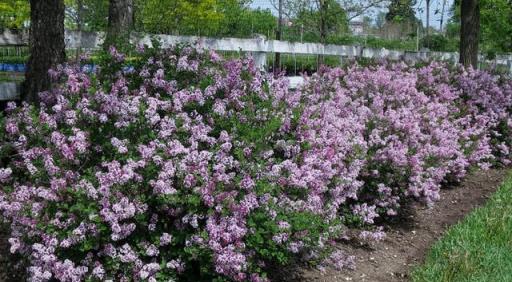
pixel 356 26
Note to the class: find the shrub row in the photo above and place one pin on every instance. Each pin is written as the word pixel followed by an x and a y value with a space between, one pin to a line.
pixel 188 167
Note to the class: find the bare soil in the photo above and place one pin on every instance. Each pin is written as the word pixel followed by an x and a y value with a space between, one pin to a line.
pixel 406 243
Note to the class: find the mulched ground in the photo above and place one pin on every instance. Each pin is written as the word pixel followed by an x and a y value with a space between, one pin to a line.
pixel 11 269
pixel 405 246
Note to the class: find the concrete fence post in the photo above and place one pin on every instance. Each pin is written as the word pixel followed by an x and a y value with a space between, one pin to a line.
pixel 260 57
pixel 9 91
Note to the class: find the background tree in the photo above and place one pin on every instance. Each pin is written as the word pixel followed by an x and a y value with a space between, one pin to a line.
pixel 87 15
pixel 201 17
pixel 74 14
pixel 242 21
pixel 327 17
pixel 47 47
pixel 320 22
pixel 496 25
pixel 120 21
pixel 14 13
pixel 356 8
pixel 469 32
pixel 380 19
pixel 401 10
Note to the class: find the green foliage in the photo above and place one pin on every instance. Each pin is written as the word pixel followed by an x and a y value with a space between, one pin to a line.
pixel 307 22
pixel 93 14
pixel 495 25
pixel 265 231
pixel 204 17
pixel 434 42
pixel 477 249
pixel 14 13
pixel 180 16
pixel 240 21
pixel 401 10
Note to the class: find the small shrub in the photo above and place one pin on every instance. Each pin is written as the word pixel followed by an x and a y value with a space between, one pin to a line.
pixel 435 42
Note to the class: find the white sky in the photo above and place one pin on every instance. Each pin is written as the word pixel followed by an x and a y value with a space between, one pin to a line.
pixel 435 5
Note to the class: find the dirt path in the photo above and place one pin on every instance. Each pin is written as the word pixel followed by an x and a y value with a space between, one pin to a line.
pixel 408 241
pixel 405 245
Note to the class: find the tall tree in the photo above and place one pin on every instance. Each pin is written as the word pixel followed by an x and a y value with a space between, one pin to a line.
pixel 351 8
pixel 14 13
pixel 87 15
pixel 47 47
pixel 75 13
pixel 120 21
pixel 242 21
pixel 197 17
pixel 427 2
pixel 279 31
pixel 401 10
pixel 321 20
pixel 495 25
pixel 442 16
pixel 324 9
pixel 469 32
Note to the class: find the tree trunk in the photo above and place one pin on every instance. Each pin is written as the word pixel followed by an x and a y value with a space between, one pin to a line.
pixel 442 17
pixel 323 27
pixel 428 19
pixel 469 32
pixel 79 25
pixel 47 46
pixel 279 31
pixel 120 21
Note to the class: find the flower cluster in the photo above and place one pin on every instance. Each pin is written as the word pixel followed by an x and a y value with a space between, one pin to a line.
pixel 412 129
pixel 183 166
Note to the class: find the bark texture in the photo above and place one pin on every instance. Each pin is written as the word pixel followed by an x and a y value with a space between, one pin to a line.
pixel 277 60
pixel 120 21
pixel 469 32
pixel 324 8
pixel 47 46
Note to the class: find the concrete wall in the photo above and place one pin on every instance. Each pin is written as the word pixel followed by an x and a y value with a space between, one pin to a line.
pixel 9 91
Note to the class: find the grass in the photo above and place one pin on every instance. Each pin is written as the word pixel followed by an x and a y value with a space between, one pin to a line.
pixel 477 249
pixel 10 76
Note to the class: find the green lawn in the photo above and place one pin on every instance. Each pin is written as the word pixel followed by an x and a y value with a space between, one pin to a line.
pixel 477 249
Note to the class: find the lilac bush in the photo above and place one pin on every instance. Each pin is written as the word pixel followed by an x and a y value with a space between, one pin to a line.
pixel 419 128
pixel 171 169
pixel 180 165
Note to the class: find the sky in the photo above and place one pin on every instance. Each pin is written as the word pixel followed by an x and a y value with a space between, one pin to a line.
pixel 420 13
